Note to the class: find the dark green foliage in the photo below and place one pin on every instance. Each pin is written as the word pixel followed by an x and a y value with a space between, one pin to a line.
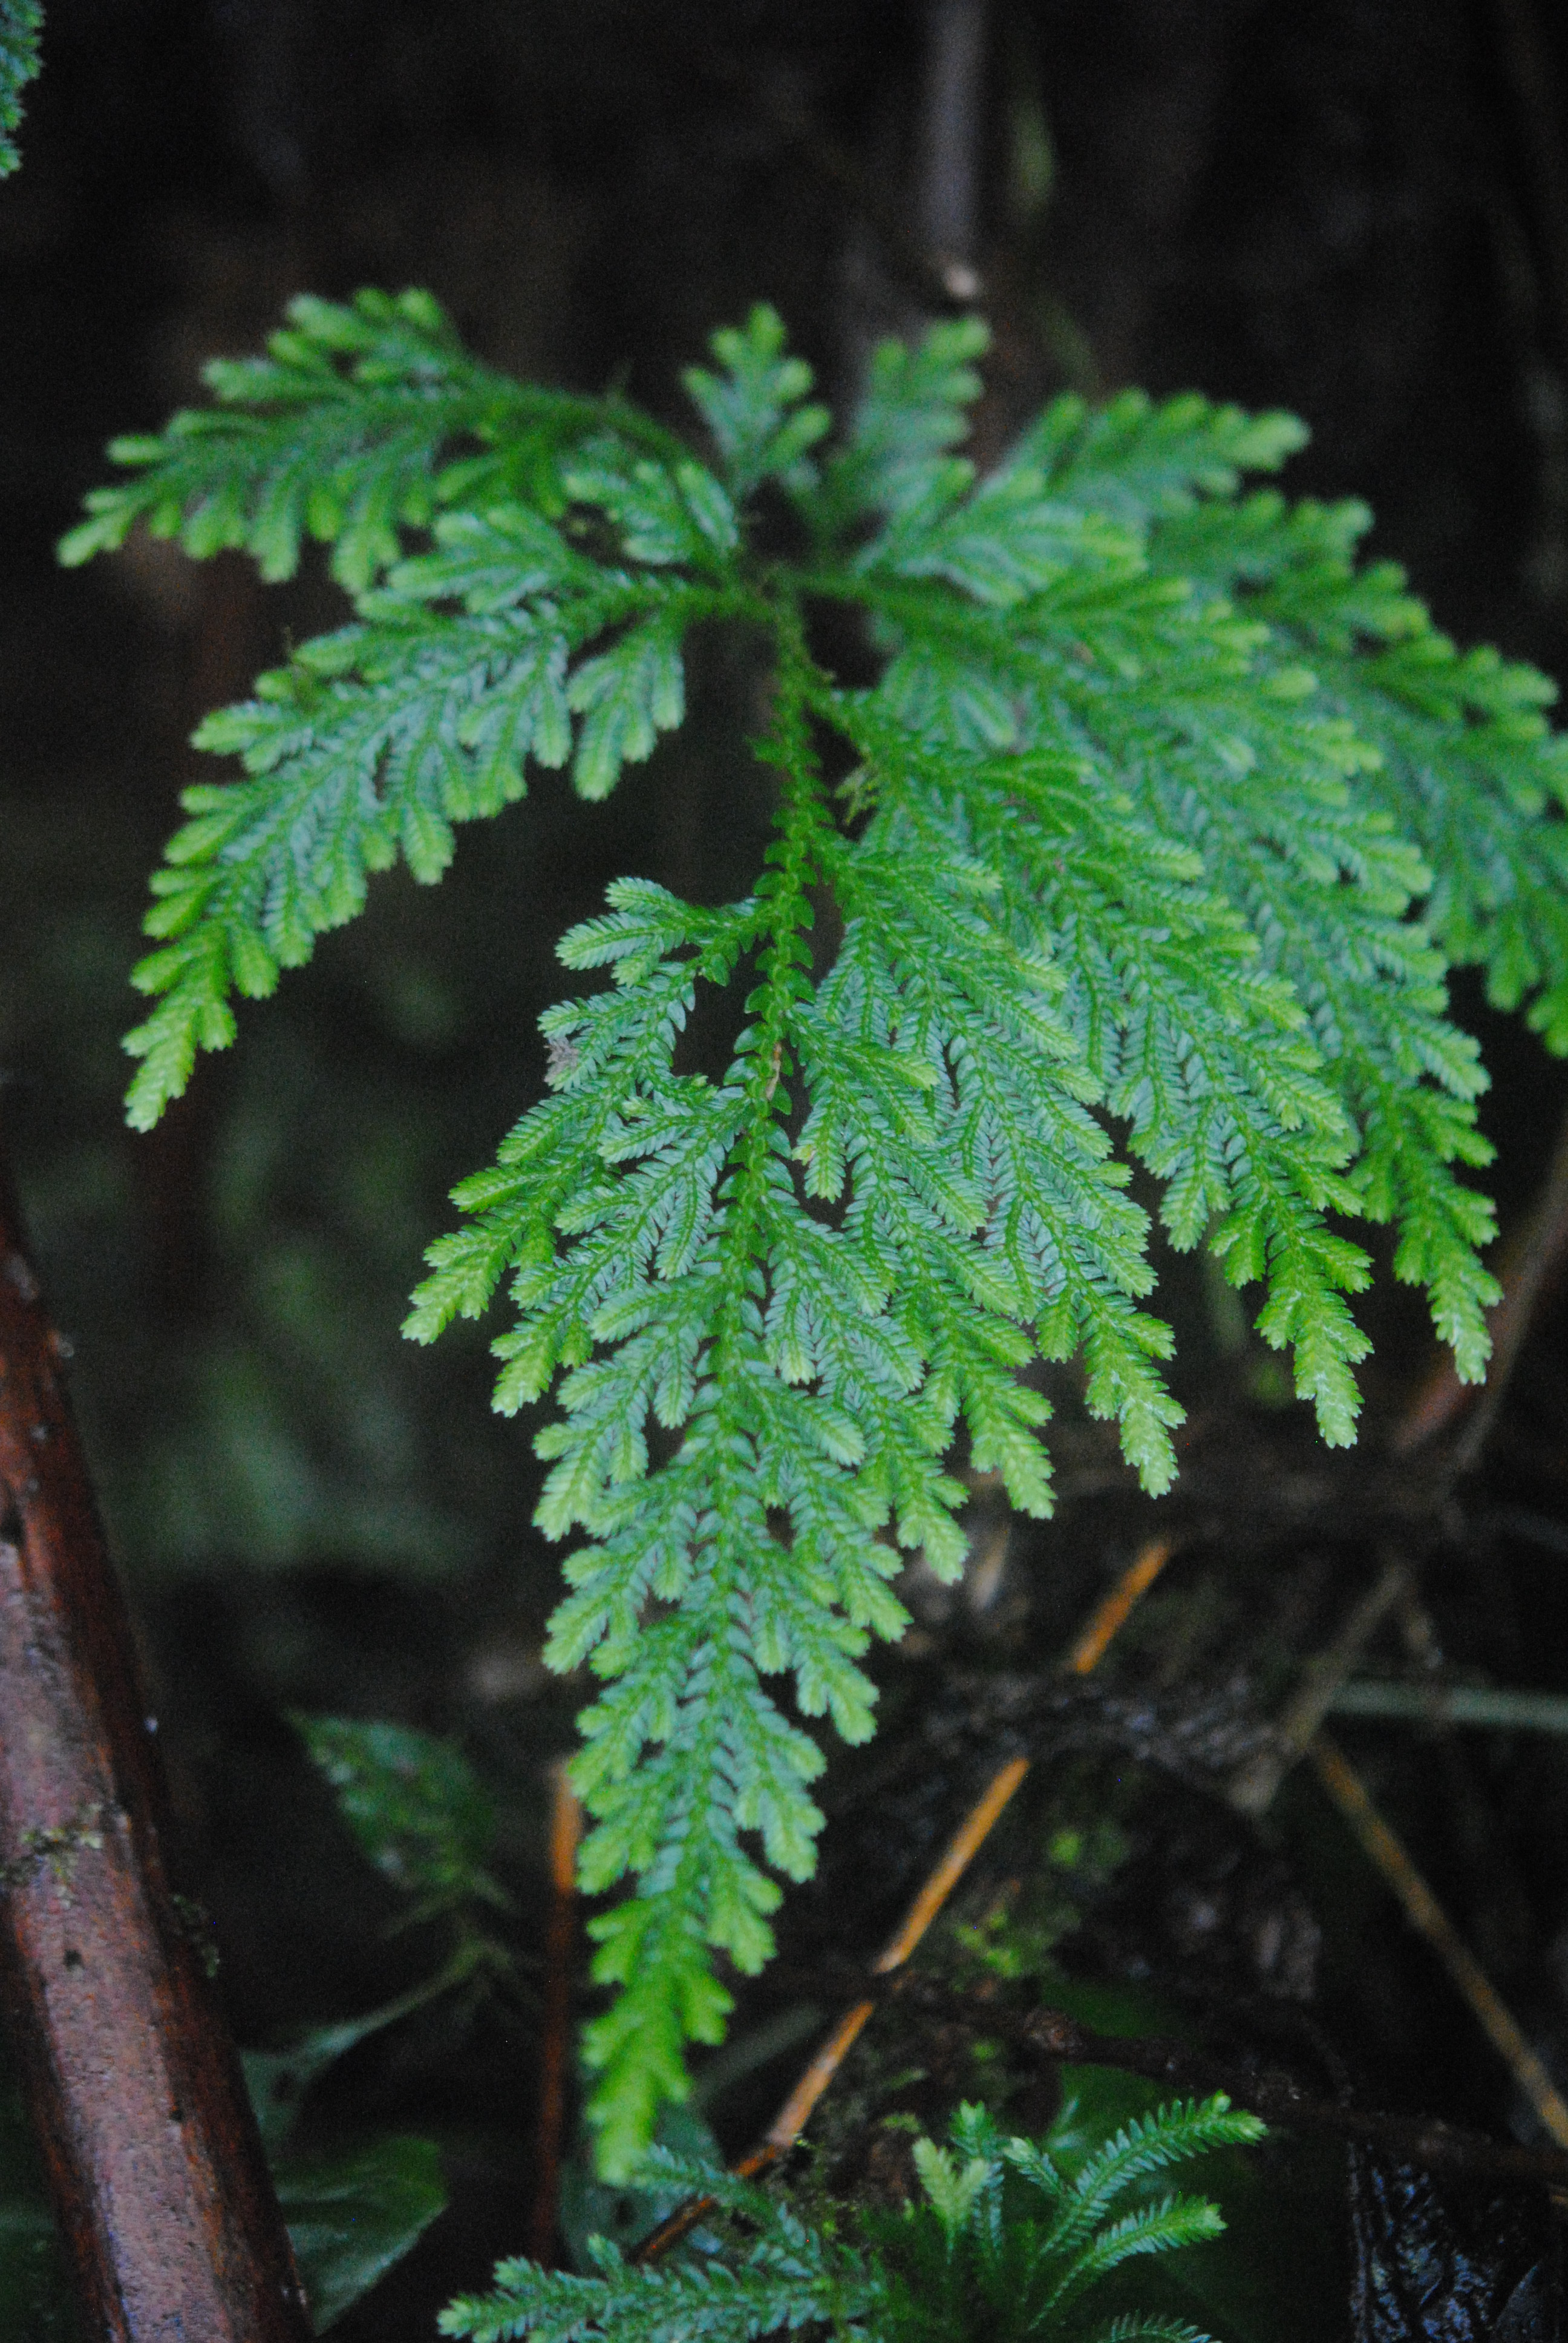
pixel 35 2294
pixel 416 1807
pixel 1125 850
pixel 1006 2243
pixel 21 22
pixel 352 2216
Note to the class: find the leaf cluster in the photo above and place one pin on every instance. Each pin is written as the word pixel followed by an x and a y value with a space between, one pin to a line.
pixel 21 22
pixel 1151 842
pixel 1006 2243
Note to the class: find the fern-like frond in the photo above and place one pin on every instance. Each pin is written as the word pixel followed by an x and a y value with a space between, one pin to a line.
pixel 786 2275
pixel 1131 2327
pixel 375 740
pixel 1155 2143
pixel 1467 768
pixel 964 2264
pixel 21 23
pixel 1163 823
pixel 351 429
pixel 756 406
pixel 1139 460
pixel 895 459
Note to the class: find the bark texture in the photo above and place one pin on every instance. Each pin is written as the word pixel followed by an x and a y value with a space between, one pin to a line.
pixel 165 2209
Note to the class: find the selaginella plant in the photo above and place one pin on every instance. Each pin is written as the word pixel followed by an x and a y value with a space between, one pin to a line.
pixel 1145 830
pixel 1003 2244
pixel 20 23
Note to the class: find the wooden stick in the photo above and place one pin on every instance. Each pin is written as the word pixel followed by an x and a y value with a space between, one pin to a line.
pixel 959 1853
pixel 153 2159
pixel 561 1935
pixel 1106 1621
pixel 1253 1790
pixel 1426 1914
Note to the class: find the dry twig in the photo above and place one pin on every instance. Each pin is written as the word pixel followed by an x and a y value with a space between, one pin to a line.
pixel 1426 1914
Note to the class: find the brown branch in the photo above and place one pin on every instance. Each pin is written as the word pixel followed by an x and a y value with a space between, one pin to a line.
pixel 150 2149
pixel 561 1937
pixel 1106 1621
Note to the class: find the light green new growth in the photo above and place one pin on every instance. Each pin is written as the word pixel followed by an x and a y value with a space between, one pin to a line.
pixel 1125 866
pixel 1007 2245
pixel 21 22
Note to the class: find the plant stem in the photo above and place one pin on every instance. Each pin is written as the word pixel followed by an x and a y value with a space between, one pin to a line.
pixel 1426 1914
pixel 1439 1705
pixel 150 2149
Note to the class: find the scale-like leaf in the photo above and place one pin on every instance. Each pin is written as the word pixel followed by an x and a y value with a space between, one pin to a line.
pixel 1162 824
pixel 21 23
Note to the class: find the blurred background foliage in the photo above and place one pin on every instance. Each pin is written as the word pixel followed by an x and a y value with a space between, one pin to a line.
pixel 1355 208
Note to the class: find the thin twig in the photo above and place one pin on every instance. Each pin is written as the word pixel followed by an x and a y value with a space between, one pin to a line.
pixel 1427 1916
pixel 1046 2036
pixel 150 2149
pixel 1253 1790
pixel 1106 1621
pixel 1439 1705
pixel 952 137
pixel 560 1936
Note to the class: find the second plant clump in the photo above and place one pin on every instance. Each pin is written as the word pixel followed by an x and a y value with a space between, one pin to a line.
pixel 1124 848
pixel 1004 2242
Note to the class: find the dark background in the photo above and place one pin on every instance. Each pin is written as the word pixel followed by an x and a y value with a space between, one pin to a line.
pixel 1356 208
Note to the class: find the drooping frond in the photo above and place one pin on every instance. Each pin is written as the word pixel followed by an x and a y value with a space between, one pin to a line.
pixel 1275 1036
pixel 1468 770
pixel 376 740
pixel 1161 827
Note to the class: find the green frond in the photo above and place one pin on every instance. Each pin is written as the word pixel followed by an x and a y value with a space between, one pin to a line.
pixel 1139 460
pixel 1155 2143
pixel 1466 768
pixel 756 406
pixel 1132 2327
pixel 1163 824
pixel 21 23
pixel 895 459
pixel 378 739
pixel 414 1804
pixel 784 2276
pixel 964 2265
pixel 349 430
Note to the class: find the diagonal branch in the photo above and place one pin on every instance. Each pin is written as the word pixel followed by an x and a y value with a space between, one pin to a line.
pixel 151 2151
